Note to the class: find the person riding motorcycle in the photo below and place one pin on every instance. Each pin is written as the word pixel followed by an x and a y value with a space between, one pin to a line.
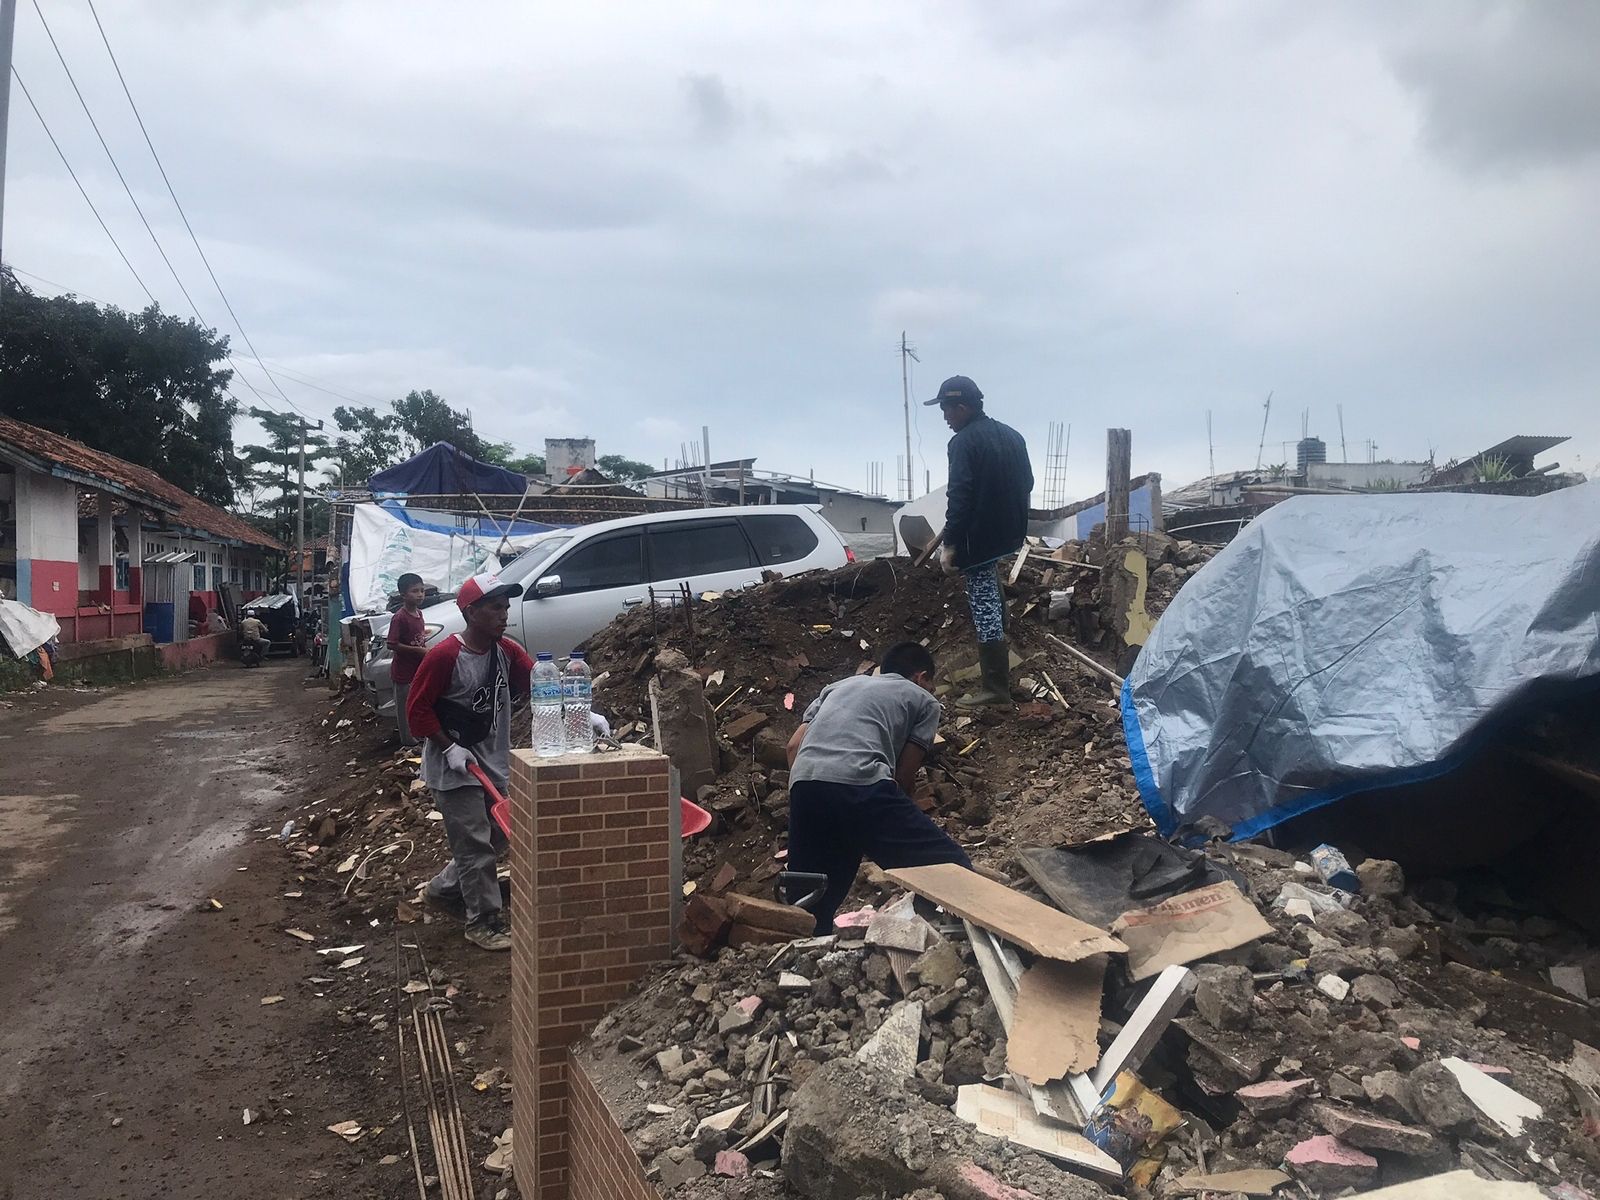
pixel 253 634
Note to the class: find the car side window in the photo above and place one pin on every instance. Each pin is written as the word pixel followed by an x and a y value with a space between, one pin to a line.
pixel 697 548
pixel 779 537
pixel 605 562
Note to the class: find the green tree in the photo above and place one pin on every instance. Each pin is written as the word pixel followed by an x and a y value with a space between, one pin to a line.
pixel 626 470
pixel 273 475
pixel 142 386
pixel 368 442
pixel 426 418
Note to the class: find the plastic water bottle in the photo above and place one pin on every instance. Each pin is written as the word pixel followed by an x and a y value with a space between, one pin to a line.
pixel 577 699
pixel 549 734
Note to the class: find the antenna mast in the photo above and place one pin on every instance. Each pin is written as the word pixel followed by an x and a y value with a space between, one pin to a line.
pixel 1211 449
pixel 908 351
pixel 1261 449
pixel 1343 452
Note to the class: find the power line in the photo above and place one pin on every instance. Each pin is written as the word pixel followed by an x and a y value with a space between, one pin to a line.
pixel 160 249
pixel 137 116
pixel 77 181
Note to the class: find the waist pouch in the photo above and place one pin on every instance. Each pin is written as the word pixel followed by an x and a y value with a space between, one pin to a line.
pixel 467 724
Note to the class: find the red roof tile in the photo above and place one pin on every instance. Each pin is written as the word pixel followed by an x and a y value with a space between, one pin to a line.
pixel 140 483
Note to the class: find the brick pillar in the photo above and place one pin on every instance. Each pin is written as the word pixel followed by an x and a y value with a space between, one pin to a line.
pixel 590 909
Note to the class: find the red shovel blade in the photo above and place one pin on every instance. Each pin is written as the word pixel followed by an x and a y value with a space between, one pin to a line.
pixel 500 809
pixel 695 819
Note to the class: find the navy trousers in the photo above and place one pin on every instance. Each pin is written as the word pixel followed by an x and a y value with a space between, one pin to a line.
pixel 833 826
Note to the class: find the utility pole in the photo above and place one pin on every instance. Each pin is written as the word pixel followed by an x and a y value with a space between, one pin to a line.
pixel 8 23
pixel 705 471
pixel 300 516
pixel 908 352
pixel 1211 449
pixel 1344 451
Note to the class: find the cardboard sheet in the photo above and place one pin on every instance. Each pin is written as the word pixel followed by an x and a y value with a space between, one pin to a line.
pixel 1188 927
pixel 1019 919
pixel 1258 1181
pixel 1008 1115
pixel 1056 1019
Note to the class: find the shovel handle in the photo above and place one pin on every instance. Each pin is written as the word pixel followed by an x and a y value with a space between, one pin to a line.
pixel 500 807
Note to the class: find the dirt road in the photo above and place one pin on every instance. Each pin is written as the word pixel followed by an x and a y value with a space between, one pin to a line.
pixel 134 1035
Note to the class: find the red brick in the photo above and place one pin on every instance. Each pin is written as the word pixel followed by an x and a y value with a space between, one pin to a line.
pixel 587 789
pixel 544 776
pixel 550 806
pixel 604 804
pixel 584 857
pixel 626 820
pixel 604 768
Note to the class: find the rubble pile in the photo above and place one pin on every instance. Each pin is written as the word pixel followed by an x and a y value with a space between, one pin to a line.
pixel 1353 1039
pixel 732 675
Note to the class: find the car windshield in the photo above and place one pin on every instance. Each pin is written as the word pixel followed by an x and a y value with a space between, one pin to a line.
pixel 523 567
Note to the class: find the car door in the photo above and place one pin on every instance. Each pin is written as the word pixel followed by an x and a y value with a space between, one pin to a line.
pixel 582 590
pixel 708 555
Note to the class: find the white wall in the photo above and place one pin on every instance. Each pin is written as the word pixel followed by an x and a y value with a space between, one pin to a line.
pixel 47 517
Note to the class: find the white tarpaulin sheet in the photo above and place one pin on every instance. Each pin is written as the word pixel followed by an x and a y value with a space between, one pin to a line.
pixel 383 548
pixel 1341 644
pixel 25 629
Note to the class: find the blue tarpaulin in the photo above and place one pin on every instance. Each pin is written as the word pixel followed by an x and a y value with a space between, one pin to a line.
pixel 1348 644
pixel 442 470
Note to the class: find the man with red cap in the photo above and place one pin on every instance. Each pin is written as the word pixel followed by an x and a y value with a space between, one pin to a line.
pixel 460 706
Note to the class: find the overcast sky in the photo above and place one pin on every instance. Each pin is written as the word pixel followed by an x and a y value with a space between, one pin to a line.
pixel 627 221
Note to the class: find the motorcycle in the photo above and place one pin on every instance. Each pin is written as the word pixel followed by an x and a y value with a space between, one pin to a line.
pixel 250 653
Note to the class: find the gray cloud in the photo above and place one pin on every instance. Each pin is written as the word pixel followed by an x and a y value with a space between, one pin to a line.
pixel 631 222
pixel 1515 84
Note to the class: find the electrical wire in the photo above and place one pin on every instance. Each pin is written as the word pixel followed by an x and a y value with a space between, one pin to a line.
pixel 76 180
pixel 171 191
pixel 160 249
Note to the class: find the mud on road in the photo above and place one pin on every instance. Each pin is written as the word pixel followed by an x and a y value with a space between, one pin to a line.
pixel 135 1035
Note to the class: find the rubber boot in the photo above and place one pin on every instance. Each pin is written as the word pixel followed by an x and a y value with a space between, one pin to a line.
pixel 994 679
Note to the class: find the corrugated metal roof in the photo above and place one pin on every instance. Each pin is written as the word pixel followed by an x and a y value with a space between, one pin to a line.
pixel 139 484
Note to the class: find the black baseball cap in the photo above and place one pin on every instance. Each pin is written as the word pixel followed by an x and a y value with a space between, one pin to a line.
pixel 958 389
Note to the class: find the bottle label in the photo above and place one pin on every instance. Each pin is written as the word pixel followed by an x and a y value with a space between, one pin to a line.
pixel 547 691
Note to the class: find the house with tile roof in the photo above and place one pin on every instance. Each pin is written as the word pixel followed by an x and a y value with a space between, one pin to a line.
pixel 111 549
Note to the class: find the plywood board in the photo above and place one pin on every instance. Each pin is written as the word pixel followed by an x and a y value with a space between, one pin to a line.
pixel 1010 1116
pixel 1188 927
pixel 1019 919
pixel 1259 1181
pixel 1056 1019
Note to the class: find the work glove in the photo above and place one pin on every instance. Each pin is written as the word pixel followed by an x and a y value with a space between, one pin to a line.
pixel 458 757
pixel 602 727
pixel 947 559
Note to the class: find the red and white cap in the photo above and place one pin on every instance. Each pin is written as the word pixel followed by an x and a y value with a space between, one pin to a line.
pixel 484 587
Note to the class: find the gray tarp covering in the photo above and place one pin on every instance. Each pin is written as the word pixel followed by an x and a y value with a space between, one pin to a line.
pixel 1340 644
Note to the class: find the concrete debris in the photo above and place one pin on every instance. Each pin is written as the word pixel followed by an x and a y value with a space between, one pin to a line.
pixel 1506 1108
pixel 1225 996
pixel 1374 1133
pixel 1327 1165
pixel 1274 1097
pixel 894 1047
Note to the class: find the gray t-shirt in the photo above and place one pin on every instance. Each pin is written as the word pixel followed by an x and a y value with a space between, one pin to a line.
pixel 469 684
pixel 858 726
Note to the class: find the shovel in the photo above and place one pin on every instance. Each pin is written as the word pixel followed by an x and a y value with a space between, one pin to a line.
pixel 500 809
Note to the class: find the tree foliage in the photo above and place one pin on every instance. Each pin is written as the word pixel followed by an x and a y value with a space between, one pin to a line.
pixel 370 441
pixel 273 476
pixel 626 470
pixel 142 386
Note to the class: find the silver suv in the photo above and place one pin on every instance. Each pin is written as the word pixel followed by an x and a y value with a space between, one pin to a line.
pixel 576 581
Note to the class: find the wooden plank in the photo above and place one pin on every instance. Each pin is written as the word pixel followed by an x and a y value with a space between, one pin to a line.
pixel 1149 1021
pixel 1037 928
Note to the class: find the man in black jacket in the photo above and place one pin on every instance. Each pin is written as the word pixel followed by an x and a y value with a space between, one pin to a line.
pixel 986 518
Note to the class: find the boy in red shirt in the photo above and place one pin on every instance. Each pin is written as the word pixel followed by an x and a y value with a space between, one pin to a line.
pixel 408 642
pixel 460 704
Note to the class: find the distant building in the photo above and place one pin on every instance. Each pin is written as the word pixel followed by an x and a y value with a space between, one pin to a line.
pixel 567 456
